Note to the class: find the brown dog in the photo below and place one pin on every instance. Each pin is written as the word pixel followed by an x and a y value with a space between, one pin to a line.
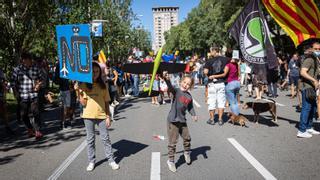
pixel 240 119
pixel 261 107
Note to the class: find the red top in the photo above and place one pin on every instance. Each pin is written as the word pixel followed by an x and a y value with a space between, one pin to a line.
pixel 233 74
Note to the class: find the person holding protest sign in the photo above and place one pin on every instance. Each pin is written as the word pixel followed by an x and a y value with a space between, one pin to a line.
pixel 95 101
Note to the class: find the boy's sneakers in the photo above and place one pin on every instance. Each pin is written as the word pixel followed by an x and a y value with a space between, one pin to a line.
pixel 304 134
pixel 313 132
pixel 90 167
pixel 171 166
pixel 187 157
pixel 114 165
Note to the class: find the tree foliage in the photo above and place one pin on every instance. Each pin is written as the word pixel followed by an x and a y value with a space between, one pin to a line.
pixel 29 25
pixel 205 25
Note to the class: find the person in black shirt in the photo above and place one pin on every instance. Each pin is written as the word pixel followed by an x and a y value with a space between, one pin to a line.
pixel 216 87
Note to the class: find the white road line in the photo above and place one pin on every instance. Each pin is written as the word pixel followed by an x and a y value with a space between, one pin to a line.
pixel 155 166
pixel 67 162
pixel 196 103
pixel 55 175
pixel 276 102
pixel 255 163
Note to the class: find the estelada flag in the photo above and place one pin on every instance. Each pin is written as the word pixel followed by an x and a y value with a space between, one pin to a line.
pixel 300 19
pixel 251 32
pixel 102 58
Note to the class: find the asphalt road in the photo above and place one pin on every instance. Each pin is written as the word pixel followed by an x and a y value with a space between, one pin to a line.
pixel 260 151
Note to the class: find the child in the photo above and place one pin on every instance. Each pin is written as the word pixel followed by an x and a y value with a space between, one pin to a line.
pixel 95 101
pixel 182 102
pixel 155 87
pixel 163 87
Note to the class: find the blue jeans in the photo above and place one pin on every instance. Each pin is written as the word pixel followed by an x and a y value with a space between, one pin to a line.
pixel 135 87
pixel 307 113
pixel 126 87
pixel 232 91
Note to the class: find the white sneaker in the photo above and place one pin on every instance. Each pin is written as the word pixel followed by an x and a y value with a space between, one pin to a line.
pixel 304 134
pixel 116 102
pixel 163 102
pixel 114 165
pixel 313 132
pixel 90 167
pixel 187 157
pixel 127 95
pixel 172 166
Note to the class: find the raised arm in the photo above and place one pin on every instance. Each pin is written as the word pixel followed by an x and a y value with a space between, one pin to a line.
pixel 170 87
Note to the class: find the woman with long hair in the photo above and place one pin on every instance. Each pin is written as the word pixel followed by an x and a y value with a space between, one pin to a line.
pixel 95 100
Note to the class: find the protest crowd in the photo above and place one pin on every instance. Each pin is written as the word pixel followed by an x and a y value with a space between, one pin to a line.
pixel 224 76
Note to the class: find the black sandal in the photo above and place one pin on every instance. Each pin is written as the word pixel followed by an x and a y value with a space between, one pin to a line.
pixel 211 122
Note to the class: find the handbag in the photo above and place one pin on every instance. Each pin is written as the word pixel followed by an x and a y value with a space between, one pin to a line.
pixel 311 94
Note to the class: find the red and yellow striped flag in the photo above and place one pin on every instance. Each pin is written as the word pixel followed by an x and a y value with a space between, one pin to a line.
pixel 102 58
pixel 300 19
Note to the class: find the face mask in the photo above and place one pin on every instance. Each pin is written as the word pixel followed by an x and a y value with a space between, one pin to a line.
pixel 316 53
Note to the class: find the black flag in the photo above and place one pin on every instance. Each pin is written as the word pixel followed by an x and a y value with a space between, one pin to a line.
pixel 252 34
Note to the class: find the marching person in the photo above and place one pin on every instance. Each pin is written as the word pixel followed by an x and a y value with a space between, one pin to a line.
pixel 231 71
pixel 26 82
pixel 95 101
pixel 3 104
pixel 309 71
pixel 216 86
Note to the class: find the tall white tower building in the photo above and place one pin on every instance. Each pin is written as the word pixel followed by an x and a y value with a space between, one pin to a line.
pixel 163 19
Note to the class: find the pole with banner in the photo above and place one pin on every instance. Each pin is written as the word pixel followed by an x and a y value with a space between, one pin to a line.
pixel 251 32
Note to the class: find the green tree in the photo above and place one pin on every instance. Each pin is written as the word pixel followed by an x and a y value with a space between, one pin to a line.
pixel 29 25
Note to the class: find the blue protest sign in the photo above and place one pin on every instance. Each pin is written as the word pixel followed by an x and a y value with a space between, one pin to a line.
pixel 75 52
pixel 97 29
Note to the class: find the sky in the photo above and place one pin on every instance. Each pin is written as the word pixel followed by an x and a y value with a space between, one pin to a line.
pixel 144 8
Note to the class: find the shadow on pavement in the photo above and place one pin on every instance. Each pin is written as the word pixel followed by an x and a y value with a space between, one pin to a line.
pixel 125 148
pixel 8 159
pixel 194 154
pixel 263 120
pixel 53 135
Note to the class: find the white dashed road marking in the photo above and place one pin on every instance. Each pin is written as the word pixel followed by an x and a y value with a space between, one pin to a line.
pixel 55 175
pixel 255 163
pixel 155 166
